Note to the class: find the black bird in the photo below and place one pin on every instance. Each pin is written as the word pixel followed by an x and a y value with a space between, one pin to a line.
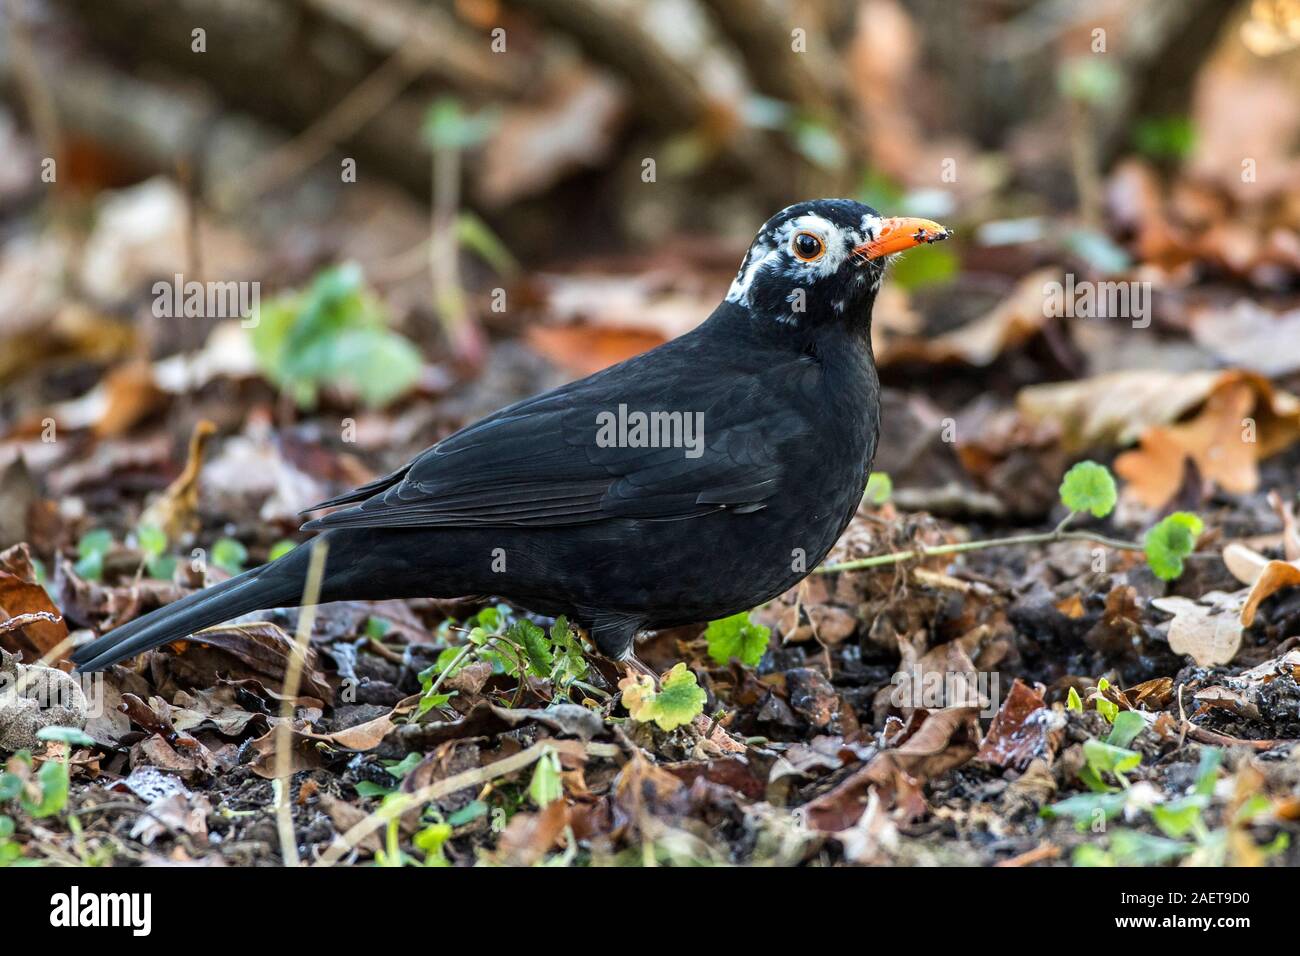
pixel 691 482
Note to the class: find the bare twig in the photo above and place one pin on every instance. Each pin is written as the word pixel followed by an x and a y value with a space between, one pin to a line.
pixel 292 681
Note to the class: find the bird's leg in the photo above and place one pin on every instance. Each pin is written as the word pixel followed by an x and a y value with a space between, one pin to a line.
pixel 634 662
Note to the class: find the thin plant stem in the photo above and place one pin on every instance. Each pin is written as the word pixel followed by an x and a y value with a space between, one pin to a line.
pixel 292 681
pixel 1045 537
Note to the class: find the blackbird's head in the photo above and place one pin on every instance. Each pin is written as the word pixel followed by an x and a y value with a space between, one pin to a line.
pixel 823 261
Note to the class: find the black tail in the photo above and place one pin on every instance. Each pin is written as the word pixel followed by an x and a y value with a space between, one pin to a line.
pixel 275 585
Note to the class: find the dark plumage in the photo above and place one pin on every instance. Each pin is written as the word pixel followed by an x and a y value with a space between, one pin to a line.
pixel 535 504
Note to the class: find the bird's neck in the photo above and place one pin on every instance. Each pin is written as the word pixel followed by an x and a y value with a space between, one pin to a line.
pixel 825 337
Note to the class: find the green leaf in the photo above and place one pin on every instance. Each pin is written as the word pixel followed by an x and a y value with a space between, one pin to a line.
pixel 678 701
pixel 90 551
pixel 1254 805
pixel 1090 79
pixel 429 701
pixel 547 785
pixel 10 785
pixel 368 788
pixel 477 236
pixel 536 646
pixel 937 266
pixel 1170 541
pixel 879 487
pixel 1090 855
pixel 1165 137
pixel 73 736
pixel 1127 725
pixel 6 827
pixel 1104 758
pixel 1083 808
pixel 1106 707
pixel 1207 771
pixel 570 662
pixel 468 813
pixel 737 636
pixel 1178 817
pixel 280 549
pixel 1135 848
pixel 448 126
pixel 95 542
pixel 161 568
pixel 406 765
pixel 1073 701
pixel 53 780
pixel 152 540
pixel 229 555
pixel 333 332
pixel 1089 486
pixel 431 840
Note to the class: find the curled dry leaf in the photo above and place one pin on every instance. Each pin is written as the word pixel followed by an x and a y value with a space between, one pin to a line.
pixel 1275 576
pixel 1265 577
pixel 1209 630
pixel 30 623
pixel 1023 729
pixel 176 511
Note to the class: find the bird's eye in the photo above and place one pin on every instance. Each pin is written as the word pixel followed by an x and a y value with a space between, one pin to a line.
pixel 808 247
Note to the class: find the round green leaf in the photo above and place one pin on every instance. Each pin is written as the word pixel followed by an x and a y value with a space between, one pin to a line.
pixel 1170 541
pixel 1089 486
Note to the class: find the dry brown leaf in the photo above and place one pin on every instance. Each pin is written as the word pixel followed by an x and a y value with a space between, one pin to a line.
pixel 1224 421
pixel 945 739
pixel 1213 439
pixel 22 598
pixel 1023 729
pixel 1275 576
pixel 1245 564
pixel 176 510
pixel 1209 632
pixel 1016 319
pixel 130 396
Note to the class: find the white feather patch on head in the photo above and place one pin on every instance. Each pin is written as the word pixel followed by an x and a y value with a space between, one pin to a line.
pixel 772 251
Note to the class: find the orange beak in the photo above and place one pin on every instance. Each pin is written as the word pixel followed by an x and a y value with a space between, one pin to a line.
pixel 900 233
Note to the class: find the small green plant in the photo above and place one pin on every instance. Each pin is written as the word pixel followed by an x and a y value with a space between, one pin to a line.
pixel 334 331
pixel 547 785
pixel 514 647
pixel 739 637
pixel 91 549
pixel 678 700
pixel 879 488
pixel 1088 488
pixel 1183 830
pixel 1105 706
pixel 1170 541
pixel 229 555
pixel 280 549
pixel 152 542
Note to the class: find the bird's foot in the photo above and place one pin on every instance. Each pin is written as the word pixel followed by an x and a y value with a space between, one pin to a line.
pixel 640 666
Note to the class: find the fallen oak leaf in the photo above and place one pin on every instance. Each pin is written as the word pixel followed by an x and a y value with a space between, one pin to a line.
pixel 1210 633
pixel 944 740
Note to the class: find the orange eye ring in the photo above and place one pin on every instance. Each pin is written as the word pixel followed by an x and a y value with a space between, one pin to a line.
pixel 807 246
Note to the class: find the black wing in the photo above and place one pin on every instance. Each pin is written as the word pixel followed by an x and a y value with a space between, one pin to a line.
pixel 538 463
